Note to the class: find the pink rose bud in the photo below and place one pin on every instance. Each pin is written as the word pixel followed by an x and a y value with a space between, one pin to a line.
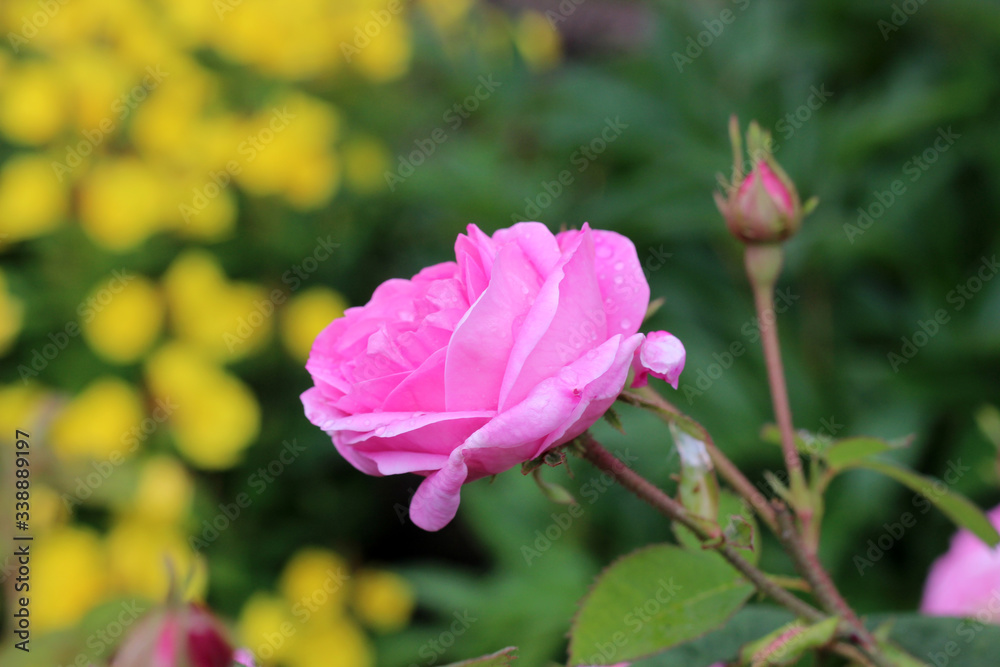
pixel 965 581
pixel 661 355
pixel 178 636
pixel 762 206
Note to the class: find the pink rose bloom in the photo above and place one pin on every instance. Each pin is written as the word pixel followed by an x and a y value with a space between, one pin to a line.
pixel 474 366
pixel 966 580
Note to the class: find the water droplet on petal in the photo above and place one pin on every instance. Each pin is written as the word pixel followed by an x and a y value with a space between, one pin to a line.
pixel 603 251
pixel 620 266
pixel 626 324
pixel 619 280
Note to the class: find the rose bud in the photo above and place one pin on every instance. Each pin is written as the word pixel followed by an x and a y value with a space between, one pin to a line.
pixel 661 355
pixel 177 636
pixel 763 206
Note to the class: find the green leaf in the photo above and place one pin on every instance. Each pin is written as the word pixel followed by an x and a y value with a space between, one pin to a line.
pixel 900 657
pixel 944 641
pixel 786 645
pixel 652 600
pixel 724 644
pixel 850 450
pixel 501 658
pixel 955 506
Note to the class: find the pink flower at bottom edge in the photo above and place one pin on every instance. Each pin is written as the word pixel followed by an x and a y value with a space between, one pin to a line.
pixel 965 581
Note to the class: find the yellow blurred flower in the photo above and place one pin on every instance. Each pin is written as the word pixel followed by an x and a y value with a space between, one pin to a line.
pixel 226 320
pixel 383 600
pixel 22 407
pixel 315 581
pixel 446 14
pixel 48 510
pixel 365 163
pixel 97 83
pixel 32 200
pixel 339 642
pixel 124 329
pixel 96 423
pixel 122 203
pixel 286 149
pixel 306 315
pixel 32 102
pixel 68 577
pixel 141 555
pixel 164 493
pixel 387 57
pixel 537 40
pixel 267 628
pixel 11 313
pixel 217 416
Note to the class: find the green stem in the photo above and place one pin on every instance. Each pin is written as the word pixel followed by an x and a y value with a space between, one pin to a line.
pixel 763 263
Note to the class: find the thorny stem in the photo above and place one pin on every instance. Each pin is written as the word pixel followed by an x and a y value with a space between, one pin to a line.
pixel 808 565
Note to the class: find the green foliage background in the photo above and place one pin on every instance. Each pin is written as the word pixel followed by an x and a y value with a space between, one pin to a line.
pixel 855 298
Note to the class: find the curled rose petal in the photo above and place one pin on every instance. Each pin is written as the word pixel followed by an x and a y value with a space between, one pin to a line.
pixel 661 355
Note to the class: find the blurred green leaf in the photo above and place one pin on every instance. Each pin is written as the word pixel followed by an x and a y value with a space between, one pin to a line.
pixel 844 452
pixel 956 507
pixel 652 600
